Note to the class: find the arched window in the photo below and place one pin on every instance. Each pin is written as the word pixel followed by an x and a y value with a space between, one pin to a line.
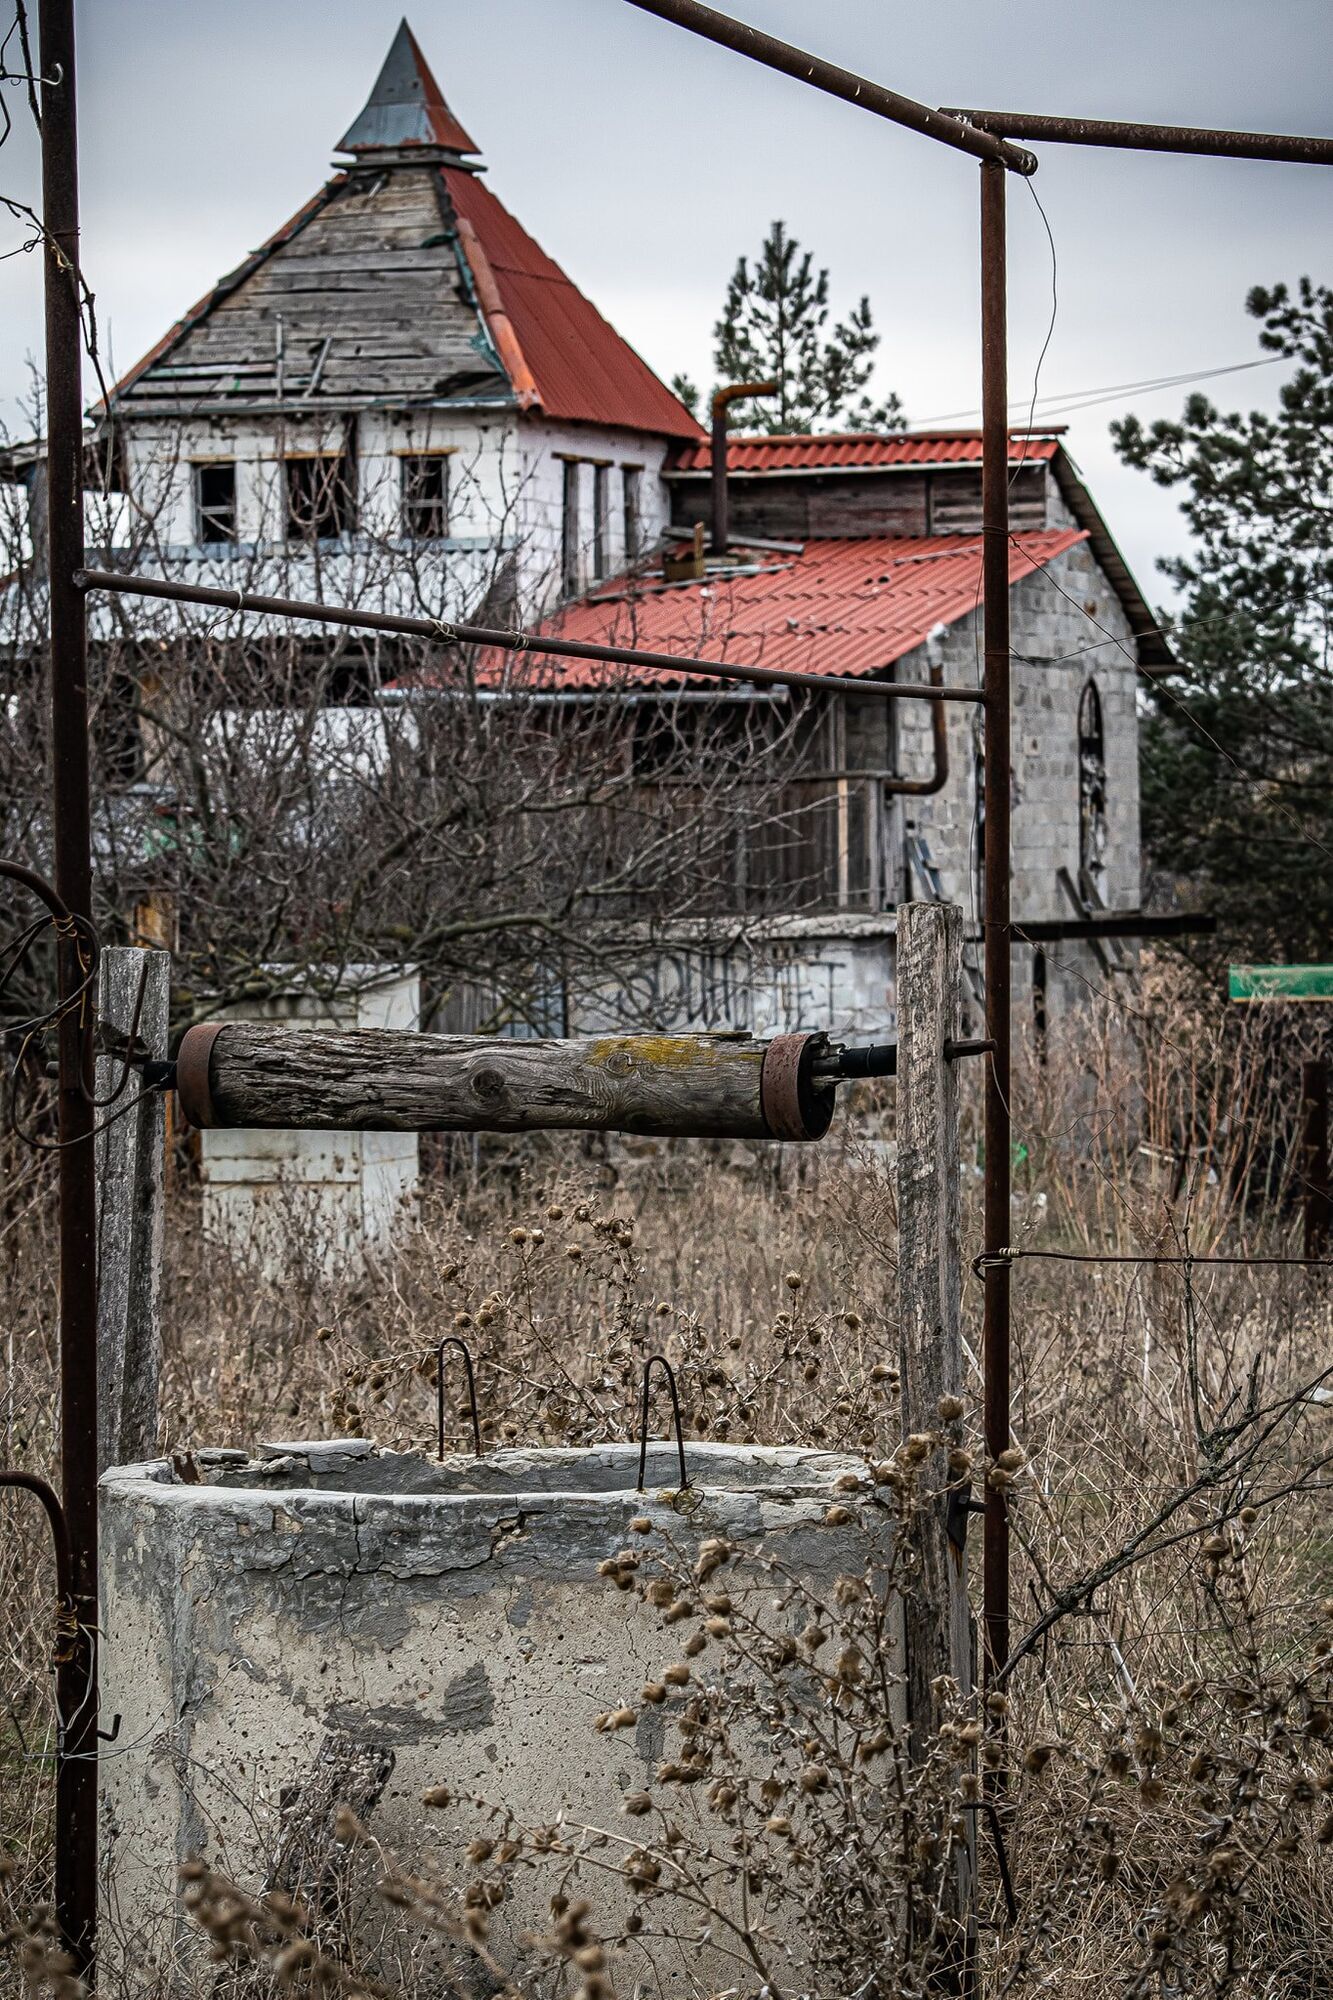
pixel 1091 795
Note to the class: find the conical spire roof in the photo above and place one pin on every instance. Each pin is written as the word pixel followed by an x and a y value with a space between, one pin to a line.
pixel 406 111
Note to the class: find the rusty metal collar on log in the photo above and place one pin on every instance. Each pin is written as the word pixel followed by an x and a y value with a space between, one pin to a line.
pixel 193 1063
pixel 792 1106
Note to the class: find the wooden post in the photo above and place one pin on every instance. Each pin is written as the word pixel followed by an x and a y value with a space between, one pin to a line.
pixel 936 1615
pixel 1318 1202
pixel 130 1152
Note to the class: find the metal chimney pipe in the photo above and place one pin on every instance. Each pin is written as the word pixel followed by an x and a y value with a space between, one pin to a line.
pixel 722 400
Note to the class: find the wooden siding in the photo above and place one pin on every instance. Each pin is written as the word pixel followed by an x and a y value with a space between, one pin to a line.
pixel 826 506
pixel 371 302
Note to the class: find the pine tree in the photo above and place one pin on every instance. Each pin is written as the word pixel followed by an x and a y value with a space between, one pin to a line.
pixel 1238 792
pixel 775 325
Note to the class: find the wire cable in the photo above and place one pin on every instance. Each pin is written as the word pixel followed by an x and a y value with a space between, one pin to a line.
pixel 1011 1253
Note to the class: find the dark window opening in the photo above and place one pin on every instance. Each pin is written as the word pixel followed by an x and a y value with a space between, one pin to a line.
pixel 117 730
pixel 701 739
pixel 426 496
pixel 569 530
pixel 979 810
pixel 1092 831
pixel 1039 1004
pixel 320 498
pixel 215 502
pixel 632 497
pixel 601 520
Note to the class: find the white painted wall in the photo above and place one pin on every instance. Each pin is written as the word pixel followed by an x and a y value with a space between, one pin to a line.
pixel 786 975
pixel 546 449
pixel 506 479
pixel 285 1198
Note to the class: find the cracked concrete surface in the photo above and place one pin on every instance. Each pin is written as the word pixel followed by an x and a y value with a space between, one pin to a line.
pixel 452 1611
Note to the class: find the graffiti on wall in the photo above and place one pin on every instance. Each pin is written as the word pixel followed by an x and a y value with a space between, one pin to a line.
pixel 772 989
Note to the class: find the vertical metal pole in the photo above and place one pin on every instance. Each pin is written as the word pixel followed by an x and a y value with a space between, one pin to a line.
pixel 1314 1160
pixel 995 584
pixel 76 1681
pixel 718 469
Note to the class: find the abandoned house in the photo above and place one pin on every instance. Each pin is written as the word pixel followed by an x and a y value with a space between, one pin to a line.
pixel 401 366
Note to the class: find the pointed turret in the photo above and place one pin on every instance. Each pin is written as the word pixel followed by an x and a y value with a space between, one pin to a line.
pixel 405 117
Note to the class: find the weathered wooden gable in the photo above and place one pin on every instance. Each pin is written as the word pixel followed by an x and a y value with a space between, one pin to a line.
pixel 364 300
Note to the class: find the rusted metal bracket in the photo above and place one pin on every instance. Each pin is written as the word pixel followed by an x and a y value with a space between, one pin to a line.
pixel 989 1808
pixel 960 1505
pixel 660 1361
pixel 193 1059
pixel 452 1340
pixel 793 1106
pixel 66 1620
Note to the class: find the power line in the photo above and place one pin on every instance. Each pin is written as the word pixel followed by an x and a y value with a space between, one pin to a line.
pixel 1076 399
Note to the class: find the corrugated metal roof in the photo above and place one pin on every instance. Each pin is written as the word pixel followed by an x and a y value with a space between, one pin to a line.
pixel 842 608
pixel 584 371
pixel 855 449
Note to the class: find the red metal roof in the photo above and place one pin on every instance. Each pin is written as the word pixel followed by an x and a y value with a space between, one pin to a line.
pixel 855 449
pixel 841 608
pixel 584 371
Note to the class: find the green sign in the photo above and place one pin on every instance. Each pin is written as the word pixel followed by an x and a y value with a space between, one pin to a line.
pixel 1281 982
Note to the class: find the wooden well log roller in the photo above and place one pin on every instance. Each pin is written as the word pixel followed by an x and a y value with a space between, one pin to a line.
pixel 240 1073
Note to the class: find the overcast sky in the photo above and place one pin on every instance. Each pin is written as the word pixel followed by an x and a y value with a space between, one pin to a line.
pixel 645 161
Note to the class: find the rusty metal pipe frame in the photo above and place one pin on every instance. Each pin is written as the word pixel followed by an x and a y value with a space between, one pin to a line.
pixel 1197 139
pixel 76 1684
pixel 447 633
pixel 924 788
pixel 735 392
pixel 996 858
pixel 28 1482
pixel 835 81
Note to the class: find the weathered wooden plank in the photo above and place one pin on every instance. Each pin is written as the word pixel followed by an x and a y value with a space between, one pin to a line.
pixel 373 268
pixel 130 1162
pixel 936 1614
pixel 380 1081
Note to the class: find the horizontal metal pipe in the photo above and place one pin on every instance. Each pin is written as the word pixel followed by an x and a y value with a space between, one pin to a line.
pixel 1212 143
pixel 1112 924
pixel 835 81
pixel 444 632
pixel 572 698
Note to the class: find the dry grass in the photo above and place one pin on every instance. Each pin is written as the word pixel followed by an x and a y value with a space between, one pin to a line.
pixel 1167 1748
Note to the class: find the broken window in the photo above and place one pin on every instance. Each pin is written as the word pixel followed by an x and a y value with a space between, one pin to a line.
pixel 426 495
pixel 1091 796
pixel 320 498
pixel 215 501
pixel 632 496
pixel 569 530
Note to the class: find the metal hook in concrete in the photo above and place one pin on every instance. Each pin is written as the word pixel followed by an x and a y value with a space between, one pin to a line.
pixel 665 1366
pixel 453 1341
